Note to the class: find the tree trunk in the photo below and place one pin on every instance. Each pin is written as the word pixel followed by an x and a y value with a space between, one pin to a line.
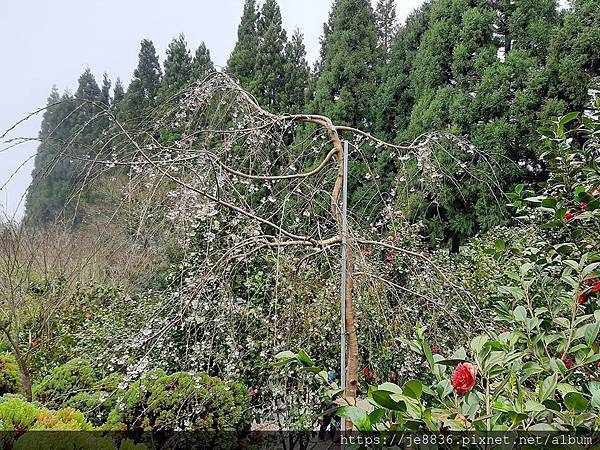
pixel 351 337
pixel 25 379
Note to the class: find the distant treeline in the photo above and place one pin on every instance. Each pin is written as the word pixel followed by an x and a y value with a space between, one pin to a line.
pixel 490 70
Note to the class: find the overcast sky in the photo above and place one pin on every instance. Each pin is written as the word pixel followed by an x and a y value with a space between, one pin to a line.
pixel 46 43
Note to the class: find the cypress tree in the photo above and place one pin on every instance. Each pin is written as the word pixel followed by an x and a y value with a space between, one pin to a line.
pixel 88 87
pixel 105 90
pixel 118 94
pixel 346 85
pixel 52 173
pixel 394 99
pixel 202 64
pixel 477 73
pixel 178 69
pixel 324 42
pixel 297 73
pixel 387 26
pixel 87 124
pixel 530 26
pixel 242 60
pixel 144 86
pixel 349 48
pixel 269 75
pixel 574 62
pixel 103 122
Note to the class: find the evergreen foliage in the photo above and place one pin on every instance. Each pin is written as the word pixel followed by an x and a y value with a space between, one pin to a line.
pixel 191 401
pixel 489 71
pixel 387 26
pixel 297 74
pixel 349 48
pixel 394 99
pixel 242 60
pixel 142 91
pixel 52 175
pixel 269 75
pixel 118 94
pixel 10 379
pixel 105 90
pixel 202 64
pixel 178 69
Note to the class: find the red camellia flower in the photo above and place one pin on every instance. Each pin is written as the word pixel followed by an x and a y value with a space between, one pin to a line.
pixel 369 375
pixel 596 286
pixel 463 378
pixel 568 216
pixel 569 363
pixel 581 299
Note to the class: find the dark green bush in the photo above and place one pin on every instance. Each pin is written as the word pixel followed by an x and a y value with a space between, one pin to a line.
pixel 75 384
pixel 182 401
pixel 10 380
pixel 64 382
pixel 97 402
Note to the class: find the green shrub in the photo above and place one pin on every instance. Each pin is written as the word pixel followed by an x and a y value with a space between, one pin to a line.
pixel 17 414
pixel 65 382
pixel 10 380
pixel 182 401
pixel 99 401
pixel 66 419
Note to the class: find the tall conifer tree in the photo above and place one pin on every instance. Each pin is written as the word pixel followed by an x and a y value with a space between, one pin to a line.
pixel 105 90
pixel 395 99
pixel 349 48
pixel 118 93
pixel 242 60
pixel 178 69
pixel 297 73
pixel 574 63
pixel 387 26
pixel 141 93
pixel 202 64
pixel 269 75
pixel 53 174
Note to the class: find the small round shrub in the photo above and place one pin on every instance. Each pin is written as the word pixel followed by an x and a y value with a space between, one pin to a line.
pixel 10 380
pixel 182 401
pixel 64 382
pixel 66 419
pixel 17 414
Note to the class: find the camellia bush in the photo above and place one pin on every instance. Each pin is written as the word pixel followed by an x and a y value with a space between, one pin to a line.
pixel 540 369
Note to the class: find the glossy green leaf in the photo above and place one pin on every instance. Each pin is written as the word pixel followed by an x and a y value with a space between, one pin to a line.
pixel 413 389
pixel 576 402
pixel 547 387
